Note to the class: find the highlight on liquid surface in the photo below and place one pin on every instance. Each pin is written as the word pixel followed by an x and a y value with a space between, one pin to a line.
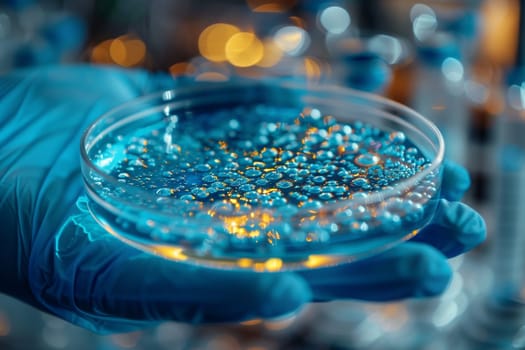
pixel 255 181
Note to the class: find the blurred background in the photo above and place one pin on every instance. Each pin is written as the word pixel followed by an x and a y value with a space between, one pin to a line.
pixel 458 62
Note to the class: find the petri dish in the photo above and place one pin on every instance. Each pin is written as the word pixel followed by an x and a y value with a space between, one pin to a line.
pixel 262 175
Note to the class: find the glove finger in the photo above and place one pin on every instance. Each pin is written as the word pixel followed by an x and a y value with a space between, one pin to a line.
pixel 455 228
pixel 153 289
pixel 408 270
pixel 92 279
pixel 456 181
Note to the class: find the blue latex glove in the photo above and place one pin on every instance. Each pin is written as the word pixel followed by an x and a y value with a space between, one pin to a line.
pixel 417 268
pixel 58 260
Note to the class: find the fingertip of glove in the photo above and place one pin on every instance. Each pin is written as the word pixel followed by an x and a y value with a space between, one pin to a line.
pixel 470 223
pixel 283 295
pixel 426 269
pixel 456 181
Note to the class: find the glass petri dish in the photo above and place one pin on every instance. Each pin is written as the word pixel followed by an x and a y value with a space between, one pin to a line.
pixel 262 175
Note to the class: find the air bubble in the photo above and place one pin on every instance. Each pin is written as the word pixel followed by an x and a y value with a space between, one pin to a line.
pixel 319 179
pixel 187 197
pixel 202 167
pixel 314 189
pixel 284 184
pixel 247 187
pixel 367 159
pixel 326 196
pixel 234 124
pixel 270 153
pixel 273 176
pixel 164 192
pixel 231 166
pixel 360 195
pixel 360 182
pixel 245 161
pixel 253 173
pixel 312 205
pixel 251 195
pixel 200 193
pixel 303 172
pixel 262 182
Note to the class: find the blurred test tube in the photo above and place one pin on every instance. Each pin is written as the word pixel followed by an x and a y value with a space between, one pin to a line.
pixel 497 320
pixel 439 91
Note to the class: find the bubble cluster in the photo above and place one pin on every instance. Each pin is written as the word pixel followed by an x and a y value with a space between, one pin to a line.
pixel 261 158
pixel 256 167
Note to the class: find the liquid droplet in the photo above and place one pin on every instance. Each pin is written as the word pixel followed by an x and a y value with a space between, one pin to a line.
pixel 367 159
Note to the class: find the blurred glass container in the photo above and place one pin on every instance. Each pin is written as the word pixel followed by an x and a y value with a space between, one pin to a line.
pixel 367 62
pixel 438 92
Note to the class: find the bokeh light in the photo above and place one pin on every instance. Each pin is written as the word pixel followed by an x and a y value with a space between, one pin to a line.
pixel 297 21
pixel 292 40
pixel 213 39
pixel 335 19
pixel 516 96
pixel 211 76
pixel 100 53
pixel 499 33
pixel 312 68
pixel 272 6
pixel 244 49
pixel 5 325
pixel 424 21
pixel 452 69
pixel 182 68
pixel 387 47
pixel 272 54
pixel 126 51
pixel 419 10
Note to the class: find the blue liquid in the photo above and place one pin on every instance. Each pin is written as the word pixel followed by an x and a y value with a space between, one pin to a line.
pixel 237 183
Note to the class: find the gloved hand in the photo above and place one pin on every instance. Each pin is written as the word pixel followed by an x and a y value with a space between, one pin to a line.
pixel 57 260
pixel 417 268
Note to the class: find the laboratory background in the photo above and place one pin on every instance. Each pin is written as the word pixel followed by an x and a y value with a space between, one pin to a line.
pixel 457 62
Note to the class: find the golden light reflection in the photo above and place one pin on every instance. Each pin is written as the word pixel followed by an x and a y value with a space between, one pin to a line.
pixel 315 261
pixel 181 68
pixel 213 39
pixel 394 316
pixel 272 54
pixel 273 264
pixel 292 39
pixel 100 53
pixel 126 340
pixel 117 51
pixel 280 325
pixel 251 225
pixel 270 6
pixel 312 68
pixel 244 49
pixel 251 323
pixel 170 252
pixel 5 325
pixel 237 227
pixel 499 46
pixel 127 51
pixel 211 76
pixel 245 263
pixel 298 21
